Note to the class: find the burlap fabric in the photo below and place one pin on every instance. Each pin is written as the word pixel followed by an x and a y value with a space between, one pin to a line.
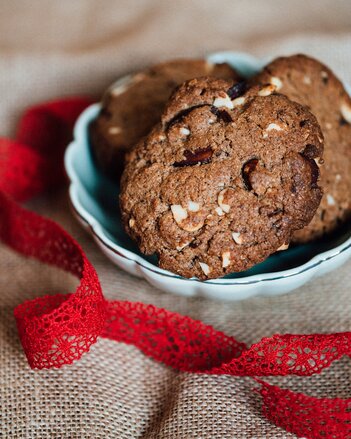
pixel 57 48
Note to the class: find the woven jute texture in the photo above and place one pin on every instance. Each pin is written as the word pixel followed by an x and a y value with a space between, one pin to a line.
pixel 56 48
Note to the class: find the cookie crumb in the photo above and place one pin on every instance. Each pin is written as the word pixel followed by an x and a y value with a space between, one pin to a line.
pixel 283 247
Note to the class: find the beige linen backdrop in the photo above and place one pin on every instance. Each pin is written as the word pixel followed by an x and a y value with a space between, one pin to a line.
pixel 51 48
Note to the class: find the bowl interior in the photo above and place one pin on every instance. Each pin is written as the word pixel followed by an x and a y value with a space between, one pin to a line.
pixel 99 196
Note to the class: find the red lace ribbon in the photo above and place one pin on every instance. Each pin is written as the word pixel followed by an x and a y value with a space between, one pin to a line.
pixel 57 330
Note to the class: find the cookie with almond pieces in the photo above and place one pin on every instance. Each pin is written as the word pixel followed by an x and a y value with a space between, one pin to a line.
pixel 133 105
pixel 311 83
pixel 224 180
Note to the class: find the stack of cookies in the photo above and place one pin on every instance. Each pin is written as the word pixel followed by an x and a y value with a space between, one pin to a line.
pixel 219 173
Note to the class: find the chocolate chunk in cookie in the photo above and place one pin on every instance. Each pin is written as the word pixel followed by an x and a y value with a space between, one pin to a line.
pixel 133 105
pixel 211 195
pixel 309 82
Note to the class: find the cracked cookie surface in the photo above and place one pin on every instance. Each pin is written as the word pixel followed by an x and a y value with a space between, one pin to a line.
pixel 309 82
pixel 224 180
pixel 133 105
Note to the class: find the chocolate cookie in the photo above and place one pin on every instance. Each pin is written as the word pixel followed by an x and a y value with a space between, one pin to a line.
pixel 311 83
pixel 224 180
pixel 133 105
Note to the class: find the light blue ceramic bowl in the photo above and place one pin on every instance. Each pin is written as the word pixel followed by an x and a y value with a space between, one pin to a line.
pixel 95 203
